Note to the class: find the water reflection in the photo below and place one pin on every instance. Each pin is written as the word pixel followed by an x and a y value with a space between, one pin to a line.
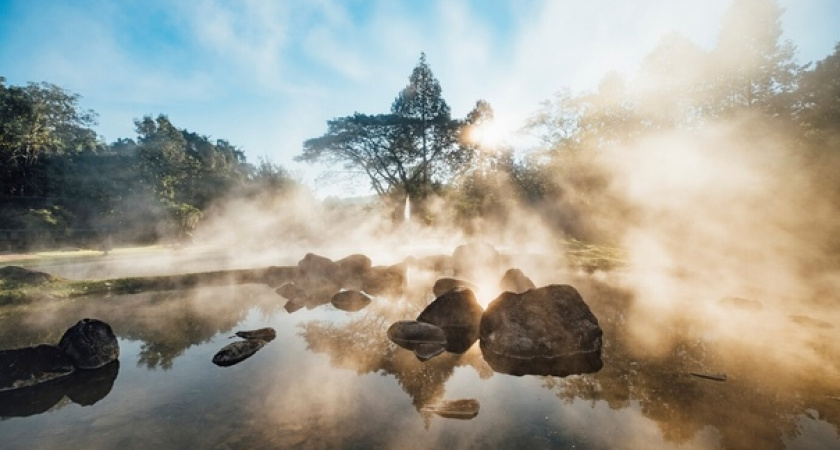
pixel 83 387
pixel 272 400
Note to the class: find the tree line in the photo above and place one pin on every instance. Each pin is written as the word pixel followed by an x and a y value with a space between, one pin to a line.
pixel 61 185
pixel 59 182
pixel 421 151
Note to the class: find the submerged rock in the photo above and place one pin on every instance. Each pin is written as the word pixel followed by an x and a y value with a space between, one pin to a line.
pixel 90 344
pixel 545 331
pixel 25 367
pixel 516 281
pixel 458 314
pixel 266 334
pixel 237 352
pixel 464 409
pixel 350 301
pixel 444 285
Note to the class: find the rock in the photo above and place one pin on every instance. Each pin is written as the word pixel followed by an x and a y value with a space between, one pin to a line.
pixel 266 334
pixel 292 292
pixel 407 333
pixel 21 275
pixel 458 314
pixel 424 339
pixel 516 281
pixel 25 367
pixel 741 303
pixel 475 261
pixel 318 268
pixel 425 352
pixel 90 344
pixel 444 285
pixel 384 280
pixel 545 331
pixel 464 409
pixel 237 352
pixel 352 268
pixel 300 295
pixel 351 301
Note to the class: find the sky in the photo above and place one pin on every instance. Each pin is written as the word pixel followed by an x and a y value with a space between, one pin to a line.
pixel 267 74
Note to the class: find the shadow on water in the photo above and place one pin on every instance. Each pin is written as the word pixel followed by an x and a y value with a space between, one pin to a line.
pixel 754 407
pixel 82 387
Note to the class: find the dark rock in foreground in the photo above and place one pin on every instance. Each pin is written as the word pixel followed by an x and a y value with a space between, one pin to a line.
pixel 445 285
pixel 463 409
pixel 237 352
pixel 25 367
pixel 516 281
pixel 458 314
pixel 90 344
pixel 545 331
pixel 350 301
pixel 266 334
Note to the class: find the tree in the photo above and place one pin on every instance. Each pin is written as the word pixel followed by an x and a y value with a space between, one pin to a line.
pixel 411 151
pixel 35 120
pixel 754 69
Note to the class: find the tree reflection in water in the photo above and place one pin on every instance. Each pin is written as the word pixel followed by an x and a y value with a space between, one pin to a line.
pixel 760 405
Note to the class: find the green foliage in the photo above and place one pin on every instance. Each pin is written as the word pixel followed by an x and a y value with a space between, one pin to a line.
pixel 411 151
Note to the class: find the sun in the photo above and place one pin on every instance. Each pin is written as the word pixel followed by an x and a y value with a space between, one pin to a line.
pixel 487 135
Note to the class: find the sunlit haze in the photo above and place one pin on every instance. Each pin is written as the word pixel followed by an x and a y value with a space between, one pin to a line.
pixel 267 75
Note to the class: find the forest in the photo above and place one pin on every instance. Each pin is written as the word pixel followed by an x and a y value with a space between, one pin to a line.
pixel 61 185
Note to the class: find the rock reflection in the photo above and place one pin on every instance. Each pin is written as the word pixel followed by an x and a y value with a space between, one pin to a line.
pixel 83 387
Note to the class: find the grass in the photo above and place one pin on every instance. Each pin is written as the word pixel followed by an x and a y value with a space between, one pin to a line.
pixel 592 257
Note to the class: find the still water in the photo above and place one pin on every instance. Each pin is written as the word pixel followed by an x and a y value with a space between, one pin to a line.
pixel 332 379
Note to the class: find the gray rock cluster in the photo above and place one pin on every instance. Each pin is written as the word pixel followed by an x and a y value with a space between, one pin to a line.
pixel 347 283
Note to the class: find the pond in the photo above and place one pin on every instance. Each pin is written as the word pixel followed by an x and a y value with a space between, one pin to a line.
pixel 332 379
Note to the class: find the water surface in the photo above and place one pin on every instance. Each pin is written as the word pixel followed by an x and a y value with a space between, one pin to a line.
pixel 332 379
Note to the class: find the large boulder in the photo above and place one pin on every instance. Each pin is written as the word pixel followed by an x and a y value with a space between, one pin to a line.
pixel 545 331
pixel 515 281
pixel 25 367
pixel 90 344
pixel 458 314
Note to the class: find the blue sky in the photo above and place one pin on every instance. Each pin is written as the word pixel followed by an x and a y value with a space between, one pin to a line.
pixel 266 75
